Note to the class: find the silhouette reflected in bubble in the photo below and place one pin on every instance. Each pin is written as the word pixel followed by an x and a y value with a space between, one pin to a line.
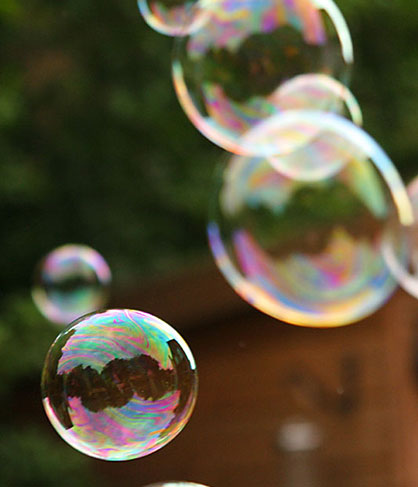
pixel 146 390
pixel 309 252
pixel 229 74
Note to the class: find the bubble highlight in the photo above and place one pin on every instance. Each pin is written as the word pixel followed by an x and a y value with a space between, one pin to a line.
pixel 176 484
pixel 178 18
pixel 353 141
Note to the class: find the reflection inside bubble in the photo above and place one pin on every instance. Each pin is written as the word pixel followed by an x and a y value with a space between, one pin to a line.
pixel 234 71
pixel 119 384
pixel 305 252
pixel 69 282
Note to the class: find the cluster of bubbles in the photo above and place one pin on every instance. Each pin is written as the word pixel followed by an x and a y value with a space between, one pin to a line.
pixel 310 222
pixel 117 384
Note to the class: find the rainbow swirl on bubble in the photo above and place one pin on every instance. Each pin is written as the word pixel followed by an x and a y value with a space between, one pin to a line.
pixel 119 384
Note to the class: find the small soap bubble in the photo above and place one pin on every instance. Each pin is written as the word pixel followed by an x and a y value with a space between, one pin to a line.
pixel 173 17
pixel 405 271
pixel 309 252
pixel 119 384
pixel 176 484
pixel 69 282
pixel 236 70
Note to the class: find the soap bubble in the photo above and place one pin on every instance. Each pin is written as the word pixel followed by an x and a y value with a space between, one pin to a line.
pixel 312 148
pixel 309 252
pixel 318 92
pixel 234 71
pixel 176 484
pixel 173 18
pixel 71 281
pixel 119 384
pixel 406 272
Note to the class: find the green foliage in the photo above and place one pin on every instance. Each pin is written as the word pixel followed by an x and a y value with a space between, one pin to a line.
pixel 10 9
pixel 30 458
pixel 91 130
pixel 25 337
pixel 384 79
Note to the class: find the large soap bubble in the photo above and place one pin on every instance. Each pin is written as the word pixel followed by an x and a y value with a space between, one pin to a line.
pixel 173 17
pixel 406 272
pixel 234 71
pixel 309 252
pixel 70 281
pixel 119 384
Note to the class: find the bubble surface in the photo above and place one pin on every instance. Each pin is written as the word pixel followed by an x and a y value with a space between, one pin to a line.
pixel 69 282
pixel 312 148
pixel 318 92
pixel 405 271
pixel 234 71
pixel 119 384
pixel 309 252
pixel 173 17
pixel 176 484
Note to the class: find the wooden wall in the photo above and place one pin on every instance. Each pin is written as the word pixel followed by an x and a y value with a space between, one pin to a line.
pixel 356 384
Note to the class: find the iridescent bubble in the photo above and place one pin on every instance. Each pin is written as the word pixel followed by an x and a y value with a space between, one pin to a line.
pixel 312 148
pixel 69 282
pixel 173 17
pixel 234 71
pixel 119 384
pixel 318 92
pixel 309 252
pixel 176 484
pixel 405 271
